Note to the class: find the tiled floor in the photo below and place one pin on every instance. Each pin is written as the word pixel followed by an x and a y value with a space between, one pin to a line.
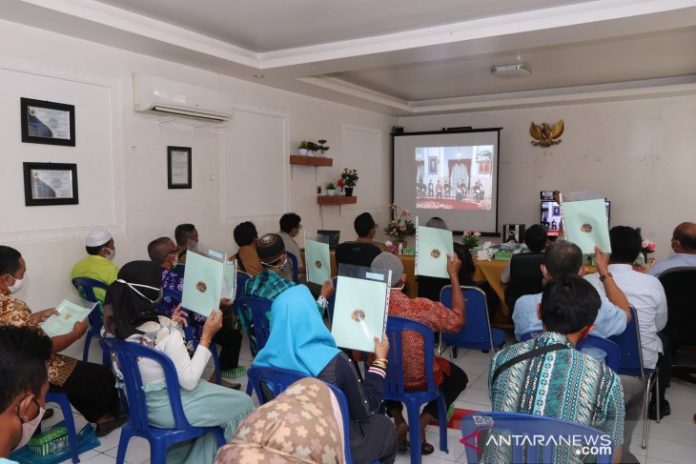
pixel 671 441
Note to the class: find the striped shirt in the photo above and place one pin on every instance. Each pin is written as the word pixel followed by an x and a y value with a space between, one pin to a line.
pixel 564 384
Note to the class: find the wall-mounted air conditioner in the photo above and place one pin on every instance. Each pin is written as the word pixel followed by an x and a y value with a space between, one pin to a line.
pixel 177 98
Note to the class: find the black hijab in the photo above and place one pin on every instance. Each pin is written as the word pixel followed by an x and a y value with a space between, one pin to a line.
pixel 129 309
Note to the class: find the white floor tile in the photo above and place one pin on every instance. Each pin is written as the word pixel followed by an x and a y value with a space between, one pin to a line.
pixel 138 451
pixel 109 442
pixel 84 457
pixel 671 450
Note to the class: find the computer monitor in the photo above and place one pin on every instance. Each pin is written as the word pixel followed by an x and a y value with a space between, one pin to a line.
pixel 332 236
pixel 550 214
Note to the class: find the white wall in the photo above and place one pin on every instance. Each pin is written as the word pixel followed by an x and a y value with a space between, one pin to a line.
pixel 121 157
pixel 639 154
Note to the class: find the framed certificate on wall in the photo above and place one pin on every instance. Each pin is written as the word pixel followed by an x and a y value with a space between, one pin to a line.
pixel 179 167
pixel 47 184
pixel 47 122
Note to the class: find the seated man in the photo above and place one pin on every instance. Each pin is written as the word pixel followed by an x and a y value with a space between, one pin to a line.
pixel 646 295
pixel 364 249
pixel 163 252
pixel 90 387
pixel 245 235
pixel 526 281
pixel 448 376
pixel 547 376
pixel 290 225
pixel 186 237
pixel 97 264
pixel 24 353
pixel 564 258
pixel 270 283
pixel 684 247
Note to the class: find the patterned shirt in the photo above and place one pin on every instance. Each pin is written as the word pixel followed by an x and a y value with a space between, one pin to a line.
pixel 436 316
pixel 16 312
pixel 564 384
pixel 175 282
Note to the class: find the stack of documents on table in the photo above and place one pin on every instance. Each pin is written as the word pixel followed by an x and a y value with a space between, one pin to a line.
pixel 68 314
pixel 585 223
pixel 208 279
pixel 432 249
pixel 360 310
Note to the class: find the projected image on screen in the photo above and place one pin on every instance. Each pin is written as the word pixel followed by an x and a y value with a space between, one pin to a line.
pixel 456 178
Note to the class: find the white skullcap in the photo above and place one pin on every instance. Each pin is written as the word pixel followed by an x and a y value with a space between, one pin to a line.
pixel 97 238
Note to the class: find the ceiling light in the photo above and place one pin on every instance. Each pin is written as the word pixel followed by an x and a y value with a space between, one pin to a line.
pixel 511 70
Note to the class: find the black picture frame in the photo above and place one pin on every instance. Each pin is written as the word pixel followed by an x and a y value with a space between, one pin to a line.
pixel 175 170
pixel 45 184
pixel 44 122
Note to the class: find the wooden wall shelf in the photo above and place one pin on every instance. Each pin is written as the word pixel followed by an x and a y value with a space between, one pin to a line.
pixel 311 160
pixel 336 200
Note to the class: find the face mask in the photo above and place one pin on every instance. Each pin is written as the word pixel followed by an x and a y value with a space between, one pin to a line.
pixel 132 287
pixel 110 253
pixel 14 288
pixel 28 428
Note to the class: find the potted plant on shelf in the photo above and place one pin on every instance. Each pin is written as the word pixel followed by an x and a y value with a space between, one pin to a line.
pixel 330 189
pixel 313 147
pixel 350 177
pixel 303 148
pixel 322 146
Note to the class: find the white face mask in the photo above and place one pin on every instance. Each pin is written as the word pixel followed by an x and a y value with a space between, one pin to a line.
pixel 14 288
pixel 110 253
pixel 28 428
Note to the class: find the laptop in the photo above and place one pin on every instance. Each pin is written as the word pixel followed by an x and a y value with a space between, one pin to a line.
pixel 331 235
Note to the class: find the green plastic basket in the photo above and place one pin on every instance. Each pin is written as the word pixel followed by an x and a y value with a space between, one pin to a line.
pixel 53 441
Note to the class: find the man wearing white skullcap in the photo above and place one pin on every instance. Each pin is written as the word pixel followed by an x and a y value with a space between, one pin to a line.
pixel 97 264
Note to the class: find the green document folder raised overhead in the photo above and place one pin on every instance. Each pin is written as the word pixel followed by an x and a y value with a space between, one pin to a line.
pixel 68 314
pixel 432 249
pixel 360 313
pixel 585 223
pixel 318 261
pixel 207 280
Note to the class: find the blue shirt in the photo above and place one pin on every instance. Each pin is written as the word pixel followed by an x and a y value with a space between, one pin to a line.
pixel 611 320
pixel 676 260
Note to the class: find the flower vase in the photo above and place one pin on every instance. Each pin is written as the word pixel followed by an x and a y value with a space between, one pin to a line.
pixel 349 191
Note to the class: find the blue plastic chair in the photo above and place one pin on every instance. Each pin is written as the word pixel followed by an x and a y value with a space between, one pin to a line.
pixel 332 300
pixel 85 287
pixel 611 349
pixel 174 297
pixel 260 309
pixel 476 332
pixel 61 399
pixel 292 259
pixel 278 380
pixel 242 278
pixel 395 389
pixel 531 334
pixel 529 426
pixel 160 440
pixel 631 363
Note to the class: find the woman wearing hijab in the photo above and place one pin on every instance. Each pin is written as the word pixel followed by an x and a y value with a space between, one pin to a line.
pixel 292 437
pixel 130 315
pixel 300 342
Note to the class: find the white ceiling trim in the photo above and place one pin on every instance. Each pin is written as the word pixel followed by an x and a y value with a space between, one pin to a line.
pixel 134 23
pixel 564 16
pixel 353 90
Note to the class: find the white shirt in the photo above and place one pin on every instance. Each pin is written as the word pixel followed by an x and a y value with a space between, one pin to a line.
pixel 171 342
pixel 676 260
pixel 645 293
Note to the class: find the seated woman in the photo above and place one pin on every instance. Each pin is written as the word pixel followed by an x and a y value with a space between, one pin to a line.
pixel 130 315
pixel 300 342
pixel 291 437
pixel 90 387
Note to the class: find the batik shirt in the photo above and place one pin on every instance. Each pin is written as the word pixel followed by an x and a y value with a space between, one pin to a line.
pixel 564 384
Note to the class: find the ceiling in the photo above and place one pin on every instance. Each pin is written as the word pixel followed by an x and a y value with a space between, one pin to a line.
pixel 403 56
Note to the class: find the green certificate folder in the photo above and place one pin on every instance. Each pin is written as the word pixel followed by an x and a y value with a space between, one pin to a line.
pixel 68 314
pixel 585 223
pixel 432 249
pixel 360 313
pixel 206 281
pixel 318 259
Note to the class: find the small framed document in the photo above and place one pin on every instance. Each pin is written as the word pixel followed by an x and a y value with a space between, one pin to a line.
pixel 179 167
pixel 50 184
pixel 47 122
